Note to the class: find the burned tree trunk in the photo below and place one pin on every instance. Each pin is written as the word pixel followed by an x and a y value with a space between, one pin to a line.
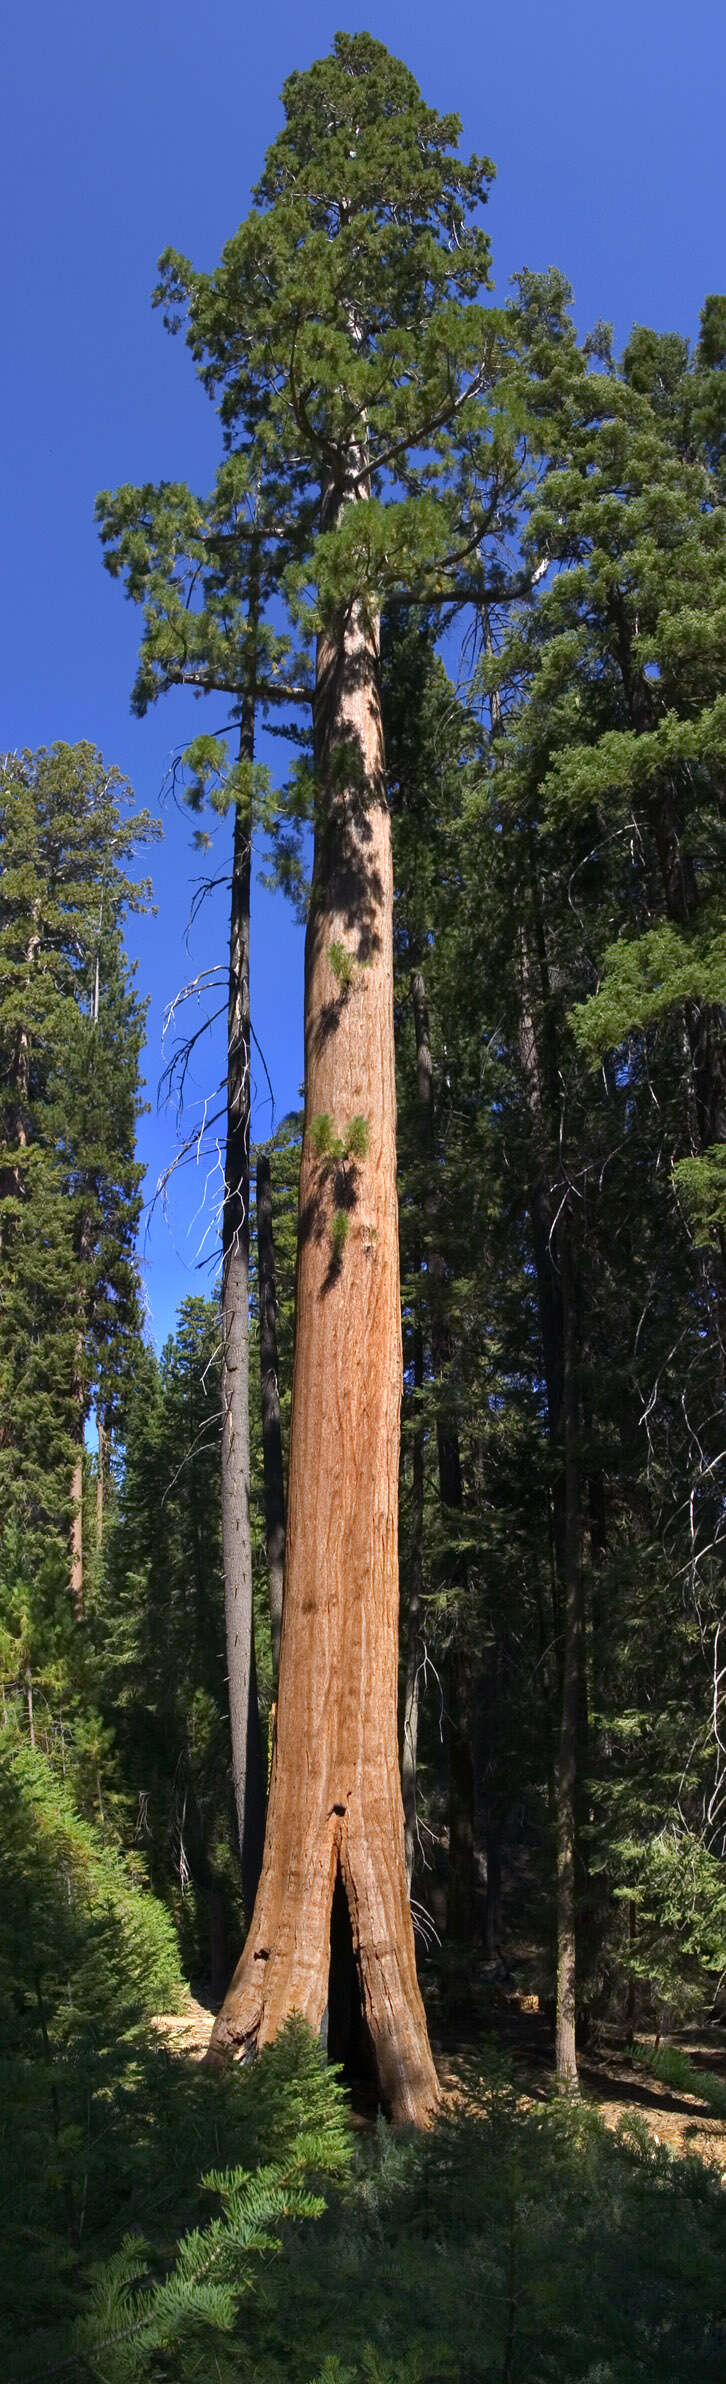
pixel 247 1760
pixel 274 1480
pixel 335 1815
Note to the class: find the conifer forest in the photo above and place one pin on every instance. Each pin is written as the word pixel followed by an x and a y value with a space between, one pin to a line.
pixel 363 1637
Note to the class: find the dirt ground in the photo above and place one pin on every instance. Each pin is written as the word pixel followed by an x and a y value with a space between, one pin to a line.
pixel 680 2121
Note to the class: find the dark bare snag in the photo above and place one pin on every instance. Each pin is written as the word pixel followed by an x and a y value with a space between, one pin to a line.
pixel 274 1480
pixel 247 1759
pixel 335 1810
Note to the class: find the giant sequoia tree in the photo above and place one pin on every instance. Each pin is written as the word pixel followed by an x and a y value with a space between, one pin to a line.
pixel 342 324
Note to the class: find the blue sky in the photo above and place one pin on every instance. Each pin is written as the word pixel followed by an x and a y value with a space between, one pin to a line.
pixel 131 128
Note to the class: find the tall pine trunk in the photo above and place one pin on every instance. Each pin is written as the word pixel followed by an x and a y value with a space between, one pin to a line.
pixel 335 1816
pixel 76 1536
pixel 247 1759
pixel 104 1461
pixel 82 1254
pixel 274 1480
pixel 566 1772
pixel 551 1226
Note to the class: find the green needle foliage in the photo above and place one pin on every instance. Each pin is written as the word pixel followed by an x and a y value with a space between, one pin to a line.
pixel 342 331
pixel 71 1030
pixel 623 661
pixel 85 1956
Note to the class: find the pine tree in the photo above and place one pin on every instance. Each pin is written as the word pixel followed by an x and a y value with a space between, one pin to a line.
pixel 622 525
pixel 70 1035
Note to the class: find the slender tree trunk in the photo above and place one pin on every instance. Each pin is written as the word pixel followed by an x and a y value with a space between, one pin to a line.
pixel 493 1906
pixel 461 1904
pixel 103 1461
pixel 76 1537
pixel 543 1197
pixel 15 1126
pixel 218 1971
pixel 247 1758
pixel 335 1812
pixel 552 1248
pixel 566 1777
pixel 78 1395
pixel 274 1479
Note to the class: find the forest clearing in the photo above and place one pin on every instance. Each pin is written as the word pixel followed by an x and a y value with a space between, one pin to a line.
pixel 363 1634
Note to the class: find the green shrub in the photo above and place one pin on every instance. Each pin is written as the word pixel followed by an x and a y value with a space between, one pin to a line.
pixel 86 1955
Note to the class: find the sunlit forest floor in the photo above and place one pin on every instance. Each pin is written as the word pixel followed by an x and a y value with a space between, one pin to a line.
pixel 675 2119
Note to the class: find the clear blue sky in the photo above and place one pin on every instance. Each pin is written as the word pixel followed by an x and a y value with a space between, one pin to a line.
pixel 127 128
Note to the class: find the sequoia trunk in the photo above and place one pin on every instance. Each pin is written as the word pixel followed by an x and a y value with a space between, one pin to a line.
pixel 409 1751
pixel 335 1815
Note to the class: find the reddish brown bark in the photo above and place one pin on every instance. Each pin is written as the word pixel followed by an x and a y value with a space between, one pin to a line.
pixel 414 1651
pixel 335 1814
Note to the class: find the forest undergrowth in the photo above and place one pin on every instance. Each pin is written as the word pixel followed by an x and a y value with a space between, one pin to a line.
pixel 179 2224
